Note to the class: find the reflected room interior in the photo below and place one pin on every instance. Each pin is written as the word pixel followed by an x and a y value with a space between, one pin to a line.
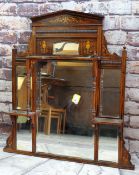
pixel 64 126
pixel 64 98
pixel 110 93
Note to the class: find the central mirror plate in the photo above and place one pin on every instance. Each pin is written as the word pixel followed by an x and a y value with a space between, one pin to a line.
pixel 64 125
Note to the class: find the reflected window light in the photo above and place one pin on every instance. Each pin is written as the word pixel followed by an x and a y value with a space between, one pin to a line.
pixel 76 98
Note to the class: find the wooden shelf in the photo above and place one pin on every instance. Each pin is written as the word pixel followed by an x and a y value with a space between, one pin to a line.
pixel 107 121
pixel 21 113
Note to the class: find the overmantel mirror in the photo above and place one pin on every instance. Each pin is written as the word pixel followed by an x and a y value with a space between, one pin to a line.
pixel 68 93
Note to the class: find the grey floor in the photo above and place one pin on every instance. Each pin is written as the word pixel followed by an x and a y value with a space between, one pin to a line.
pixel 13 164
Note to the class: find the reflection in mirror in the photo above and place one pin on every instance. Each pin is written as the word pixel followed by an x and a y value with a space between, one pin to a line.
pixel 64 126
pixel 21 88
pixel 110 93
pixel 66 48
pixel 108 143
pixel 24 134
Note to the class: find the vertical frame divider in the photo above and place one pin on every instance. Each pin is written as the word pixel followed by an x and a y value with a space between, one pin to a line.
pixel 95 107
pixel 33 107
pixel 122 98
pixel 14 99
pixel 28 67
pixel 96 142
pixel 14 81
pixel 122 82
pixel 14 133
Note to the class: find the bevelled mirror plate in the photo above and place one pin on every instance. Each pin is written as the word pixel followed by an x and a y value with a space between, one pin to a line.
pixel 64 125
pixel 108 143
pixel 24 133
pixel 21 81
pixel 66 48
pixel 110 93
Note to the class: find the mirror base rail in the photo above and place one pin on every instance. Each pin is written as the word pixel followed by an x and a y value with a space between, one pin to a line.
pixel 124 165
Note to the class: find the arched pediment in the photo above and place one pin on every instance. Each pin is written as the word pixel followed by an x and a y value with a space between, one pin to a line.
pixel 66 17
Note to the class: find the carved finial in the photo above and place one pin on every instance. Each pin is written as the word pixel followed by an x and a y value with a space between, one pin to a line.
pixel 14 47
pixel 125 44
pixel 124 47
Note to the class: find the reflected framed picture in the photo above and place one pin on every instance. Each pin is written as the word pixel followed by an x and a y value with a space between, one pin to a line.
pixel 66 48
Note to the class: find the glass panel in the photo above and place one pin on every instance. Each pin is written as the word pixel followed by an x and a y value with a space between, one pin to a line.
pixel 24 134
pixel 110 93
pixel 66 48
pixel 108 143
pixel 64 126
pixel 21 87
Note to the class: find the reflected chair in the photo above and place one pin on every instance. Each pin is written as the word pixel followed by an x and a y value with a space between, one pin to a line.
pixel 50 112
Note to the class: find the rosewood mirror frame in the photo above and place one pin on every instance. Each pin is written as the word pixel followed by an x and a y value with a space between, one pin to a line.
pixel 85 29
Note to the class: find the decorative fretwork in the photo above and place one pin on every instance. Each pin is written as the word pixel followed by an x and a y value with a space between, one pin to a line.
pixel 105 51
pixel 43 46
pixel 65 19
pixel 88 47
